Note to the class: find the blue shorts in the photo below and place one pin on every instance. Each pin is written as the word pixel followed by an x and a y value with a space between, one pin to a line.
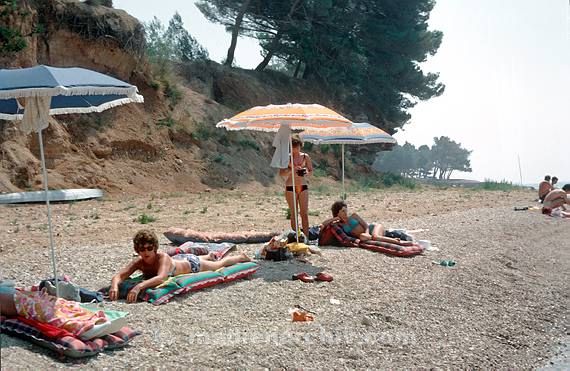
pixel 371 227
pixel 192 259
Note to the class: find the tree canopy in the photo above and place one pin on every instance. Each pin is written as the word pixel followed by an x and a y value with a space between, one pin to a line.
pixel 367 53
pixel 440 161
pixel 172 43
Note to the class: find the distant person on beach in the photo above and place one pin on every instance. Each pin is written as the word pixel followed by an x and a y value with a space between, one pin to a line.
pixel 556 198
pixel 553 182
pixel 157 266
pixel 544 187
pixel 358 228
pixel 303 168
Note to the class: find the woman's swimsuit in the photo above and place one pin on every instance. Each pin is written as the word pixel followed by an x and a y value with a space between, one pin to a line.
pixel 299 188
pixel 191 258
pixel 352 223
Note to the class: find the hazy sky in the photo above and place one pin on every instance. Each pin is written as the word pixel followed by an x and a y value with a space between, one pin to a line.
pixel 506 66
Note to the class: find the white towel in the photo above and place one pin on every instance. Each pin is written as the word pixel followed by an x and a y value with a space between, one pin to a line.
pixel 281 143
pixel 36 113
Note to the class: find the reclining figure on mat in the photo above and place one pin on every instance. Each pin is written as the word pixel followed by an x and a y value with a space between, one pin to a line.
pixel 557 198
pixel 355 227
pixel 157 266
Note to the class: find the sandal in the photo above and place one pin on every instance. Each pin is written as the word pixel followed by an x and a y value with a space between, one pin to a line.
pixel 323 277
pixel 304 276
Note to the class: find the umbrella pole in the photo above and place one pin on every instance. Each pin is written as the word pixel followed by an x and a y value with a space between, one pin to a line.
pixel 294 189
pixel 343 197
pixel 48 209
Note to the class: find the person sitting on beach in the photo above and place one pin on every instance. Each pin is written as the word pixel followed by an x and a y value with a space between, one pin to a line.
pixel 157 266
pixel 556 198
pixel 544 187
pixel 356 227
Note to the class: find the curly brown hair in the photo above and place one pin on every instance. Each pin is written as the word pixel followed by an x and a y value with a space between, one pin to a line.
pixel 145 237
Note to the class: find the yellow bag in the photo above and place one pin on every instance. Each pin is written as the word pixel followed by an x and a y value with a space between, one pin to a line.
pixel 297 247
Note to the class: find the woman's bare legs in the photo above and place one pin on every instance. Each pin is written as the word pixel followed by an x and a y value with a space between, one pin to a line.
pixel 303 200
pixel 209 265
pixel 289 198
pixel 377 231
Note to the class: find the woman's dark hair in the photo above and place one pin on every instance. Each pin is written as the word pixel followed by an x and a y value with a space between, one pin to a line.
pixel 337 206
pixel 547 178
pixel 566 187
pixel 296 140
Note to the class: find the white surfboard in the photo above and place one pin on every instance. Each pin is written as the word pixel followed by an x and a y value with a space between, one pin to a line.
pixel 54 196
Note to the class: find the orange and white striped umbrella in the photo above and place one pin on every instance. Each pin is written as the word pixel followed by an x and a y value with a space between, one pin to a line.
pixel 296 116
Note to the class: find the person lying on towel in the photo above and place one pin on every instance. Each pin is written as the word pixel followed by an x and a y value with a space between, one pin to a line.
pixel 157 266
pixel 556 198
pixel 354 226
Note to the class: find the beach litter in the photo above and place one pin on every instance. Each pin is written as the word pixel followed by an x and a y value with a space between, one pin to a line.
pixel 444 263
pixel 300 314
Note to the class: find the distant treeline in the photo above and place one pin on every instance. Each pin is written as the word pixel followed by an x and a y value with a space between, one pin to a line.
pixel 440 161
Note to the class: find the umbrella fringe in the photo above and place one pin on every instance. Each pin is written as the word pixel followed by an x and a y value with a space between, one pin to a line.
pixel 70 110
pixel 130 92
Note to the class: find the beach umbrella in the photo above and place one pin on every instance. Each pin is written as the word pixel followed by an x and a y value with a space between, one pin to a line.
pixel 358 133
pixel 275 118
pixel 33 94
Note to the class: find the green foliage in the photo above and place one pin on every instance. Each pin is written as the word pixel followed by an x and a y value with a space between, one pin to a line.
pixel 248 143
pixel 368 52
pixel 491 185
pixel 173 43
pixel 11 39
pixel 145 219
pixel 107 3
pixel 319 172
pixel 440 161
pixel 167 122
pixel 325 148
pixel 203 132
pixel 172 92
pixel 390 179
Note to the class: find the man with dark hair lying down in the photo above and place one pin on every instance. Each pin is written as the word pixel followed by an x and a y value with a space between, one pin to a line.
pixel 157 266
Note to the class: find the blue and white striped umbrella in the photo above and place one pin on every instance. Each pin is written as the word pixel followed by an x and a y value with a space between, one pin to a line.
pixel 358 133
pixel 33 94
pixel 72 90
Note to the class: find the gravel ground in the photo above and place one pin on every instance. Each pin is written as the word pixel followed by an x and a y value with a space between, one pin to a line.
pixel 504 305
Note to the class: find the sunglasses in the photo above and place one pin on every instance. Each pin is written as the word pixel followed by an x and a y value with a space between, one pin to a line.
pixel 144 247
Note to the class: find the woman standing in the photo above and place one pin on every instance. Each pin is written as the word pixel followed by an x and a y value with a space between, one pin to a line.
pixel 303 170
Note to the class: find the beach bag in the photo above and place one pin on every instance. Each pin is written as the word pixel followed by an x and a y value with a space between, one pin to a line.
pixel 326 237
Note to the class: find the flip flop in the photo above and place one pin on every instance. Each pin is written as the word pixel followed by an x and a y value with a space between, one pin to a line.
pixel 304 276
pixel 323 277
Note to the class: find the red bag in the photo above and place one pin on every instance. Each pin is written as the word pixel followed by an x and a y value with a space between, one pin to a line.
pixel 326 237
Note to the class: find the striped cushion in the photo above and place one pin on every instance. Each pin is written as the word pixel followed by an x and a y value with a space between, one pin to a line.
pixel 68 345
pixel 196 281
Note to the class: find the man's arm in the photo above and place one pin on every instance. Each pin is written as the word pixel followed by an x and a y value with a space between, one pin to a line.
pixel 161 276
pixel 123 274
